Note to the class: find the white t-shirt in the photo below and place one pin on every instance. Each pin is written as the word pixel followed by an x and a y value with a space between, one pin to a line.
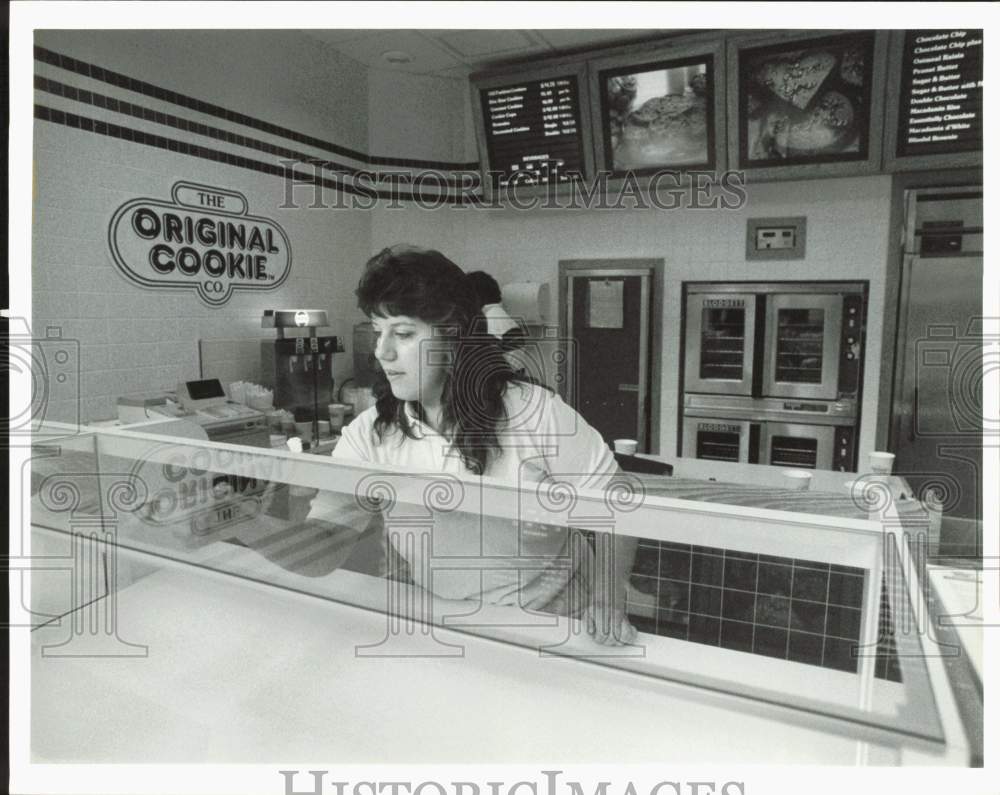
pixel 542 437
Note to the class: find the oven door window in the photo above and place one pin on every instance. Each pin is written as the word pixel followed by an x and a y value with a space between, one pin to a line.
pixel 802 349
pixel 721 441
pixel 719 346
pixel 723 344
pixel 798 445
pixel 793 451
pixel 799 354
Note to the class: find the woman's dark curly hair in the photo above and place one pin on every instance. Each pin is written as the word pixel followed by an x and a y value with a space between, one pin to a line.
pixel 422 283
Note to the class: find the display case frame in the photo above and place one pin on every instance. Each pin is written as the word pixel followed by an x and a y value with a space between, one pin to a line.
pixel 851 705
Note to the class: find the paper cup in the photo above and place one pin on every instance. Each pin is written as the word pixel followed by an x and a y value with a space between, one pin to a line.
pixel 626 446
pixel 304 430
pixel 881 463
pixel 337 412
pixel 797 479
pixel 324 428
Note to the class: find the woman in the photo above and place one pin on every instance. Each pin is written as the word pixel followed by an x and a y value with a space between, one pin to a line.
pixel 447 401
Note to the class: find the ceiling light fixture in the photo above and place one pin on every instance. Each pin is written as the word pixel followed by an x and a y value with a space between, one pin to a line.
pixel 397 57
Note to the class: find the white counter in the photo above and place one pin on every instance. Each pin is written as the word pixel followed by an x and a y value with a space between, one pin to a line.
pixel 239 672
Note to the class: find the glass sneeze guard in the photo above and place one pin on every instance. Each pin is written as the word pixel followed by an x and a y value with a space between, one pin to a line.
pixel 245 512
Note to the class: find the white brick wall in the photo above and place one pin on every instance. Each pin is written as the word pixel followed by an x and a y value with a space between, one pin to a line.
pixel 135 340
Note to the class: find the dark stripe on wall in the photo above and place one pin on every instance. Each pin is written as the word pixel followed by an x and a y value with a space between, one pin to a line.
pixel 157 117
pixel 150 90
pixel 56 116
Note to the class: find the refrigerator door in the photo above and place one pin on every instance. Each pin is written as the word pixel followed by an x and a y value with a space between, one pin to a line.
pixel 720 340
pixel 717 439
pixel 802 346
pixel 938 411
pixel 798 446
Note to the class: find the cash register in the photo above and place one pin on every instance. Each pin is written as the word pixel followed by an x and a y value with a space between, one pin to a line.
pixel 203 402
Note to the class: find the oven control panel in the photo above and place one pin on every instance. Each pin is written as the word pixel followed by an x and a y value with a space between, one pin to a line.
pixel 851 329
pixel 844 449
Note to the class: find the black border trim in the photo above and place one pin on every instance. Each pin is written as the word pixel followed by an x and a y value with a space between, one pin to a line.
pixel 56 116
pixel 158 92
pixel 113 105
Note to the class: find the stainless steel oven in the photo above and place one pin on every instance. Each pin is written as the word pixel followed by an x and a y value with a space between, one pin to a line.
pixel 801 340
pixel 772 372
pixel 792 433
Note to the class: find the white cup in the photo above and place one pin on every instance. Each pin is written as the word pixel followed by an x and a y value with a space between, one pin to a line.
pixel 626 446
pixel 881 463
pixel 324 428
pixel 337 412
pixel 797 479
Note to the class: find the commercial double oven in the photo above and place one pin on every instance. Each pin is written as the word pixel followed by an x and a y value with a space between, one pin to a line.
pixel 772 373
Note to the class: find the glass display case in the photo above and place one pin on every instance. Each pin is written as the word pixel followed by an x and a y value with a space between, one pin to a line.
pixel 182 582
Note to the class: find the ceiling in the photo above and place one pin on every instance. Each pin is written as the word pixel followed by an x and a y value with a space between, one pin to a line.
pixel 457 53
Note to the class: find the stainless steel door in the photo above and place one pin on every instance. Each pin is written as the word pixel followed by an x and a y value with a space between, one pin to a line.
pixel 936 432
pixel 800 446
pixel 717 440
pixel 938 408
pixel 719 346
pixel 802 346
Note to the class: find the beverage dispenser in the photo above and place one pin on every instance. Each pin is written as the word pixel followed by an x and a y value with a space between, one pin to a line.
pixel 365 364
pixel 299 368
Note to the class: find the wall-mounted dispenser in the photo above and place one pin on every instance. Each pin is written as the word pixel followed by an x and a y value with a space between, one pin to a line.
pixel 527 302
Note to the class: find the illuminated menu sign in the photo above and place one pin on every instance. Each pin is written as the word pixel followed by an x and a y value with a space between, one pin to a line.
pixel 533 131
pixel 941 105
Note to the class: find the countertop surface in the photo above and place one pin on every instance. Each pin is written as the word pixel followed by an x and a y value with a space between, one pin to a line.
pixel 759 486
pixel 237 672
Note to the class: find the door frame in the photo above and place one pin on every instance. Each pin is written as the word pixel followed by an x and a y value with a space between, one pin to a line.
pixel 654 343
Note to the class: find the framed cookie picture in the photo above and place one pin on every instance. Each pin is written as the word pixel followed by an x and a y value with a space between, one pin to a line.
pixel 660 107
pixel 807 105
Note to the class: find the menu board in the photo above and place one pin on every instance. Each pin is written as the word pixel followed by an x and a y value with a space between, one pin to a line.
pixel 806 101
pixel 533 131
pixel 941 100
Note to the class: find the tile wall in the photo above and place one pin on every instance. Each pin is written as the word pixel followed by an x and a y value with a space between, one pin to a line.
pixel 797 610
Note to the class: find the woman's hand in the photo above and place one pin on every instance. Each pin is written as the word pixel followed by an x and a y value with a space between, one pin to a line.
pixel 608 624
pixel 606 620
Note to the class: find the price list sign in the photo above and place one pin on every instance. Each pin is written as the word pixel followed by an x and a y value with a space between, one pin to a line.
pixel 533 132
pixel 941 104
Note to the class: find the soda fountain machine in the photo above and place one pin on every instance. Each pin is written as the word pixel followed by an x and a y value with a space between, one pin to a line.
pixel 299 369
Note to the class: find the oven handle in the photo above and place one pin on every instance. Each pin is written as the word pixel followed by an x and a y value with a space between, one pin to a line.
pixel 754 442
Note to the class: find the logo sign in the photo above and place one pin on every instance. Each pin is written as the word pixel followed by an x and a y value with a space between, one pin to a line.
pixel 203 239
pixel 185 493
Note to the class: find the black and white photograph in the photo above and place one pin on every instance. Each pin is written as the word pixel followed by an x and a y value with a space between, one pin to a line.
pixel 806 101
pixel 488 399
pixel 658 115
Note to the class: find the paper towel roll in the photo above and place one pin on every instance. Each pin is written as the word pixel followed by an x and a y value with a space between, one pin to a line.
pixel 526 301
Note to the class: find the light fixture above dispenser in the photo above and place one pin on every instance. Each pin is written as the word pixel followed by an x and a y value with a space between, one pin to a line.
pixel 281 319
